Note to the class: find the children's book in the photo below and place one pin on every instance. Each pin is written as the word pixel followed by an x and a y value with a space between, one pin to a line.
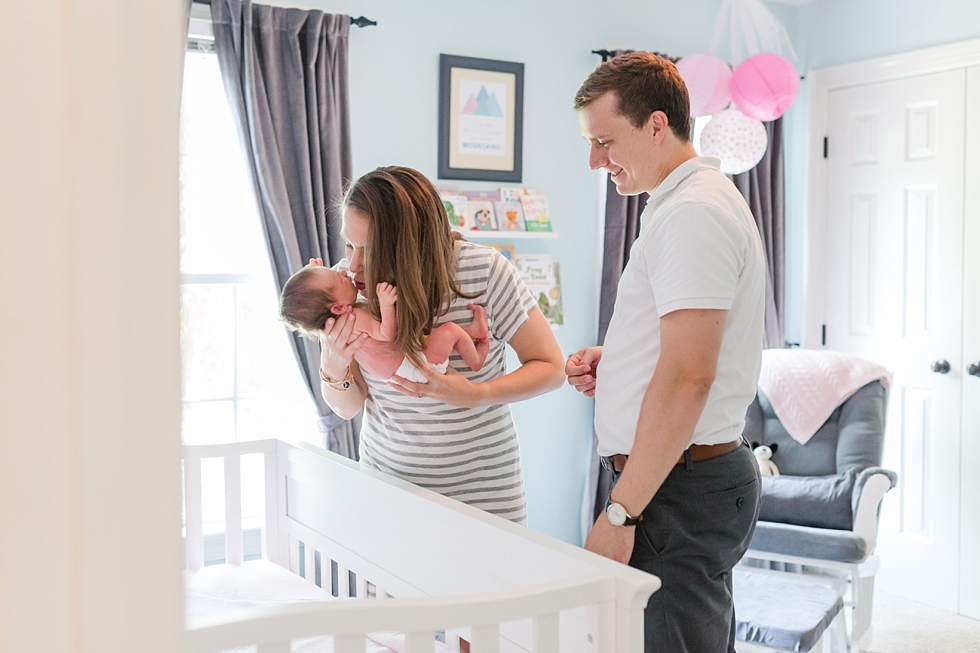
pixel 510 215
pixel 481 215
pixel 456 210
pixel 507 251
pixel 536 213
pixel 486 198
pixel 541 276
pixel 516 193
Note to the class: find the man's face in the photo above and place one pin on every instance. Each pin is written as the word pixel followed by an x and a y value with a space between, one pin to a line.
pixel 630 155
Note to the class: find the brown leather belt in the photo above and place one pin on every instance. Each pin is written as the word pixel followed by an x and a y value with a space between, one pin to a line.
pixel 698 452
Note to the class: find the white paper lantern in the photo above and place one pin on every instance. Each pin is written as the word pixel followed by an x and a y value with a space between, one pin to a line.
pixel 739 141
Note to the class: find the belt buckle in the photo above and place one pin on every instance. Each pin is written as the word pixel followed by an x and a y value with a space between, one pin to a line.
pixel 607 464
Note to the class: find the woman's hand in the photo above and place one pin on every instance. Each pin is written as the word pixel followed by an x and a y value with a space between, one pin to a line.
pixel 450 388
pixel 338 344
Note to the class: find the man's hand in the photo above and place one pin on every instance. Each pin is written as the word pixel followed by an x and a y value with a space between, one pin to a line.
pixel 614 542
pixel 387 294
pixel 581 367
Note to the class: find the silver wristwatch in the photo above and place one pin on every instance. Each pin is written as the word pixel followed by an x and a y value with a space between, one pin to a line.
pixel 617 515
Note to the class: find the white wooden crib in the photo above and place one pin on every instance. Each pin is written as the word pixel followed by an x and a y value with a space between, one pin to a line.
pixel 488 584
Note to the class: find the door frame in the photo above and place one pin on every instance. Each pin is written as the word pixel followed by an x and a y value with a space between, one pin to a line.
pixel 819 84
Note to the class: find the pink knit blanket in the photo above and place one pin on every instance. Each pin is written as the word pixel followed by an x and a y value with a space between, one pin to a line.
pixel 805 386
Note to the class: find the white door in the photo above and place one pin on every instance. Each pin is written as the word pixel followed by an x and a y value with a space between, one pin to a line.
pixel 970 467
pixel 894 295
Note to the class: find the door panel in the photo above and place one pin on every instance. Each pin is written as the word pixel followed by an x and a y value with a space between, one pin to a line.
pixel 894 295
pixel 970 501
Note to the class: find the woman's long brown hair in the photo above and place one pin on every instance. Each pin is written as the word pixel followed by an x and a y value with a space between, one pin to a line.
pixel 410 246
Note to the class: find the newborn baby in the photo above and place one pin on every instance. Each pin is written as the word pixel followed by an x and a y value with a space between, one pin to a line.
pixel 316 293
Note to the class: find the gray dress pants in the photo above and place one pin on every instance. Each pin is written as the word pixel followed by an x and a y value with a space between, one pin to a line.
pixel 696 528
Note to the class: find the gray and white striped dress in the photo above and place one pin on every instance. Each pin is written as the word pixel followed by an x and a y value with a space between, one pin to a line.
pixel 468 454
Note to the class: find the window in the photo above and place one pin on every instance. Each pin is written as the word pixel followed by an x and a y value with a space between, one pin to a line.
pixel 240 380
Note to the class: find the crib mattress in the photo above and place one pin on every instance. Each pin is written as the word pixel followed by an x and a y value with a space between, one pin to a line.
pixel 220 589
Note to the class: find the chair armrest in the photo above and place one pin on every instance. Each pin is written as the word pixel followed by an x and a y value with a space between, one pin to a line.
pixel 869 488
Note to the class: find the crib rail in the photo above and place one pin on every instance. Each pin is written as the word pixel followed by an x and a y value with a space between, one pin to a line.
pixel 273 629
pixel 358 533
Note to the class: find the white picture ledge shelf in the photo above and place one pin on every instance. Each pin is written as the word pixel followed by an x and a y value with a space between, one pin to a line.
pixel 489 235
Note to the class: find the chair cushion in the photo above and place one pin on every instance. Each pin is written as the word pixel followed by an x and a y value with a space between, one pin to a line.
pixel 852 437
pixel 808 542
pixel 781 612
pixel 820 501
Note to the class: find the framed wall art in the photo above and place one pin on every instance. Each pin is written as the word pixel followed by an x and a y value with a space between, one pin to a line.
pixel 481 119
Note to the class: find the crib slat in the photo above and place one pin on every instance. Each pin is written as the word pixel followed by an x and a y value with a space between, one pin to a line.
pixel 310 564
pixel 234 547
pixel 193 514
pixel 546 634
pixel 294 554
pixel 270 535
pixel 362 589
pixel 348 643
pixel 420 642
pixel 609 632
pixel 486 639
pixel 343 581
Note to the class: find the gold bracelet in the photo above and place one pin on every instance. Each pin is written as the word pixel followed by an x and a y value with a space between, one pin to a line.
pixel 343 385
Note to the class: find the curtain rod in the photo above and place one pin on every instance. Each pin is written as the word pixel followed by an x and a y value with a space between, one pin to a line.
pixel 608 54
pixel 360 21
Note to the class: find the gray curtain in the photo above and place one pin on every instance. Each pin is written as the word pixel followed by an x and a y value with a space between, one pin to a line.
pixel 285 75
pixel 764 190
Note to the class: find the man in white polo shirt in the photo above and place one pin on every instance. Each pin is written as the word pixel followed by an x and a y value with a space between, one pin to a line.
pixel 680 361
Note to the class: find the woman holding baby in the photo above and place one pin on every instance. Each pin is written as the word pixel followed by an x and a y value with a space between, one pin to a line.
pixel 450 432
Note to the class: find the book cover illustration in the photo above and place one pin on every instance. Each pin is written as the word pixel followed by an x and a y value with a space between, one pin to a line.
pixel 507 251
pixel 510 215
pixel 482 201
pixel 536 213
pixel 542 277
pixel 456 210
pixel 481 215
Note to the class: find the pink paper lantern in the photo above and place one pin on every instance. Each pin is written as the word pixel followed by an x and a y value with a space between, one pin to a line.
pixel 764 86
pixel 707 80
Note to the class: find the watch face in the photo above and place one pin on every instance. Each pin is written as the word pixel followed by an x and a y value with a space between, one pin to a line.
pixel 616 514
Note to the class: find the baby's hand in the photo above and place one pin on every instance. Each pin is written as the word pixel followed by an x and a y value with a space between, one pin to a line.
pixel 387 294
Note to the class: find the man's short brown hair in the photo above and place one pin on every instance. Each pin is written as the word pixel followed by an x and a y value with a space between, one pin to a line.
pixel 643 83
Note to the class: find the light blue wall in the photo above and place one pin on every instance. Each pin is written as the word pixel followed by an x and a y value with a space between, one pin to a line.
pixel 832 32
pixel 394 71
pixel 394 92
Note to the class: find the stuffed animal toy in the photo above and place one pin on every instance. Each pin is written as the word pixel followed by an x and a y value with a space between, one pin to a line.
pixel 763 456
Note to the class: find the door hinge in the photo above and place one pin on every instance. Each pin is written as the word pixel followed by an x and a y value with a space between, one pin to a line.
pixel 823 334
pixel 825 147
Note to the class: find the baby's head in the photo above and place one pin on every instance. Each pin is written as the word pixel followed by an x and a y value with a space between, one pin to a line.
pixel 312 296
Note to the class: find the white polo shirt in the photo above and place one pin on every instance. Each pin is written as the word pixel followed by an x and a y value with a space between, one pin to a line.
pixel 698 248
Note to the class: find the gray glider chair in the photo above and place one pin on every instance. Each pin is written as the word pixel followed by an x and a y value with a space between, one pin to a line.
pixel 821 515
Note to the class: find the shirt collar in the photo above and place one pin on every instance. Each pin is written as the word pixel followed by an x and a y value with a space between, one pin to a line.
pixel 682 172
pixel 673 180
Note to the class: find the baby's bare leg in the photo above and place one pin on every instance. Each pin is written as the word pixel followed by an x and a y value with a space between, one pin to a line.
pixel 451 336
pixel 478 328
